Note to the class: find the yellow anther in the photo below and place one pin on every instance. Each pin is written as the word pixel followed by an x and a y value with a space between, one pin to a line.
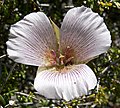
pixel 61 56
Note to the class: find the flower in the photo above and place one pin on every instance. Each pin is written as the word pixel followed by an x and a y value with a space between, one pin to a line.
pixel 61 54
pixel 11 102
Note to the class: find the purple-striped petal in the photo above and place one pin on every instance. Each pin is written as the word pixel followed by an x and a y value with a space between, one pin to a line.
pixel 84 32
pixel 30 39
pixel 68 83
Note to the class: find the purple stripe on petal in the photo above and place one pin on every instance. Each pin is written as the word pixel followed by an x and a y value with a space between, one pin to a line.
pixel 30 39
pixel 85 32
pixel 76 81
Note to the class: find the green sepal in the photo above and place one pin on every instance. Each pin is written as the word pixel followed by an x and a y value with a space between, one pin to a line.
pixel 56 30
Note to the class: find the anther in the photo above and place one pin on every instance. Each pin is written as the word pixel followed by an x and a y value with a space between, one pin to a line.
pixel 68 47
pixel 69 59
pixel 61 58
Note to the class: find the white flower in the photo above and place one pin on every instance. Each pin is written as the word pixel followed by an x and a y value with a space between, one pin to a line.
pixel 60 53
pixel 11 102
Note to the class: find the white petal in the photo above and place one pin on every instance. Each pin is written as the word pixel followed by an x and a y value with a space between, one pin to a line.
pixel 30 38
pixel 85 32
pixel 68 84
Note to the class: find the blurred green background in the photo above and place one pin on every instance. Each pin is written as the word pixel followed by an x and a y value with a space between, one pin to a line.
pixel 16 80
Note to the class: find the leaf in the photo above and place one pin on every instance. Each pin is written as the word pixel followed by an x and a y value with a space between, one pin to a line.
pixel 2 101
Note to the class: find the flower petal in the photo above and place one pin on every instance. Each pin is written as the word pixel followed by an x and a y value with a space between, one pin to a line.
pixel 85 32
pixel 30 38
pixel 69 83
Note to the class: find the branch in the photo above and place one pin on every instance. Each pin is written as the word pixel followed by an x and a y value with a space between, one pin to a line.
pixel 8 76
pixel 27 95
pixel 3 56
pixel 105 70
pixel 25 104
pixel 86 104
pixel 118 82
pixel 108 67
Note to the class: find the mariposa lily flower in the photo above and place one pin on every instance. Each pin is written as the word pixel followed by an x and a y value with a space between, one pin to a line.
pixel 61 54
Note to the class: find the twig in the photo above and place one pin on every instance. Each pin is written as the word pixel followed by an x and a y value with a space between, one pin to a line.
pixel 118 82
pixel 25 104
pixel 3 56
pixel 27 95
pixel 8 76
pixel 44 5
pixel 18 104
pixel 105 70
pixel 87 103
pixel 72 6
pixel 11 71
pixel 6 105
pixel 40 5
pixel 108 67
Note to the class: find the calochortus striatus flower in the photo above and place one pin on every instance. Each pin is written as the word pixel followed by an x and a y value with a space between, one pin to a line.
pixel 61 54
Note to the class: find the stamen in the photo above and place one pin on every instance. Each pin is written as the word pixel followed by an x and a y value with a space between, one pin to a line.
pixel 51 57
pixel 53 53
pixel 69 56
pixel 61 58
pixel 68 60
pixel 68 47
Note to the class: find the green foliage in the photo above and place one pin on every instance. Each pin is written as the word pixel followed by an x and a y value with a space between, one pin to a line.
pixel 16 80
